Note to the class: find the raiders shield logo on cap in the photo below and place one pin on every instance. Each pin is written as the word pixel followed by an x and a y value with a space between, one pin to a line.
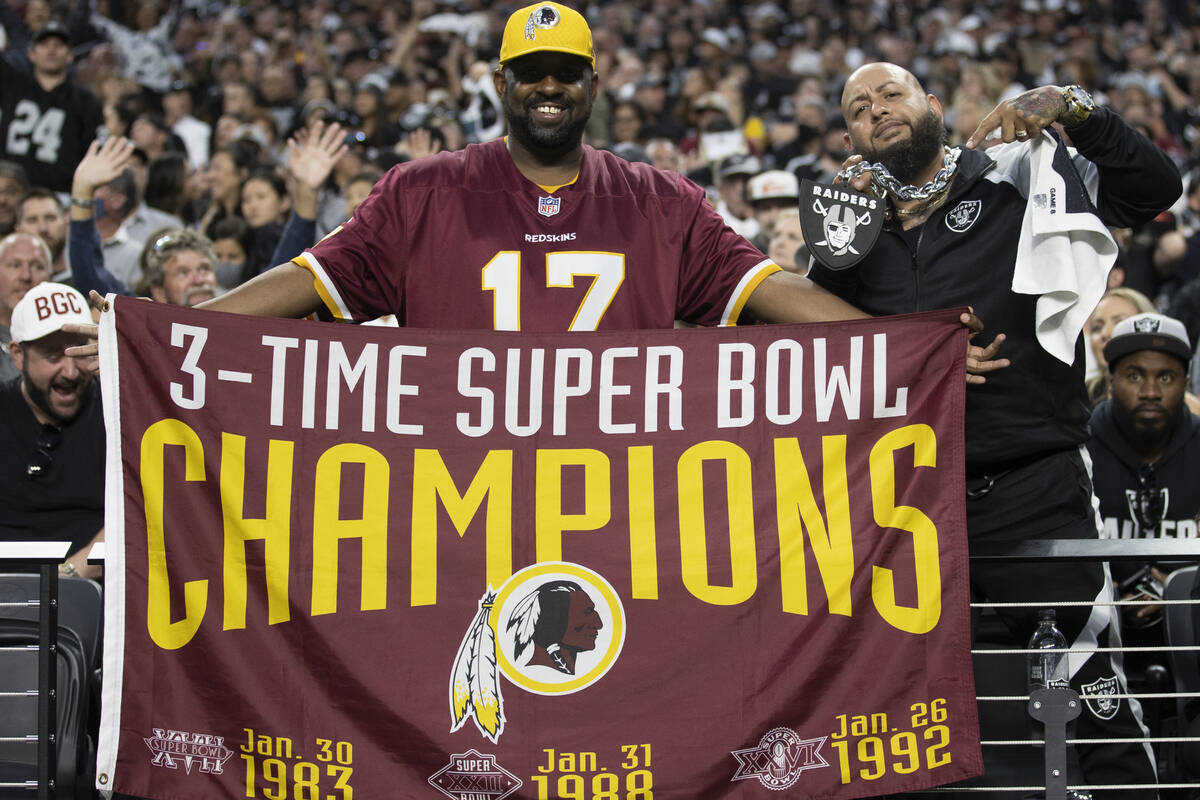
pixel 840 225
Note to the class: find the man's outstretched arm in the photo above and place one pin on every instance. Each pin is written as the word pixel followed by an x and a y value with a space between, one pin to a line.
pixel 283 291
pixel 787 297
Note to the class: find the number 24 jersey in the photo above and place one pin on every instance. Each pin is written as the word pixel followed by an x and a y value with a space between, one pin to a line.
pixel 463 240
pixel 47 133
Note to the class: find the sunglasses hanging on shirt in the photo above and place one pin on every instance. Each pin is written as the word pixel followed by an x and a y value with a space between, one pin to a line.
pixel 43 455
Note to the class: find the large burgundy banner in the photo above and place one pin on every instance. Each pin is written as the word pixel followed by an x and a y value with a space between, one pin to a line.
pixel 379 563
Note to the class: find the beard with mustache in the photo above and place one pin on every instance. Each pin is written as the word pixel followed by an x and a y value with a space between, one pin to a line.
pixel 40 395
pixel 534 138
pixel 909 158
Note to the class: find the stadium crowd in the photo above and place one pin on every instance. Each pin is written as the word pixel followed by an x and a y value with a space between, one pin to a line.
pixel 178 149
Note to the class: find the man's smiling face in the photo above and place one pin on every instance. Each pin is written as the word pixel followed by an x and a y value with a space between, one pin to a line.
pixel 547 99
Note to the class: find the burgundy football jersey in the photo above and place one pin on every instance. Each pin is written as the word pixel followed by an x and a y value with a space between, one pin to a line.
pixel 463 240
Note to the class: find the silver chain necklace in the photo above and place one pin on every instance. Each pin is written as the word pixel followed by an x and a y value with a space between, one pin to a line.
pixel 883 183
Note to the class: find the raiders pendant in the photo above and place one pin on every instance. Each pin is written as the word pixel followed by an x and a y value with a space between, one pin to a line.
pixel 840 225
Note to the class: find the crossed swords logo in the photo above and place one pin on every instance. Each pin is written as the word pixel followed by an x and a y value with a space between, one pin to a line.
pixel 839 233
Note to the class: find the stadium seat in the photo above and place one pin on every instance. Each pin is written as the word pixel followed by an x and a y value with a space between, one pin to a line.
pixel 18 715
pixel 80 607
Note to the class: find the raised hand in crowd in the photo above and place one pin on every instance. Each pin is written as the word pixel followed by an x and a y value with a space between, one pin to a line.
pixel 102 163
pixel 417 144
pixel 312 154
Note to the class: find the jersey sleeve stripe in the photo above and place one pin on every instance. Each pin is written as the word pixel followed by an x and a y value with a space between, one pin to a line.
pixel 325 287
pixel 746 286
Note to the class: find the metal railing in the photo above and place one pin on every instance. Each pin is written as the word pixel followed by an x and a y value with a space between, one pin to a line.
pixel 1053 709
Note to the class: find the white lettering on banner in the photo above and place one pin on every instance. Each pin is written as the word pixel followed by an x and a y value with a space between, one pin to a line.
pixel 398 389
pixel 308 408
pixel 795 363
pixel 197 337
pixel 279 346
pixel 568 381
pixel 882 409
pixel 837 381
pixel 340 370
pixel 512 391
pixel 485 396
pixel 672 389
pixel 728 384
pixel 747 387
pixel 609 389
pixel 833 384
pixel 563 388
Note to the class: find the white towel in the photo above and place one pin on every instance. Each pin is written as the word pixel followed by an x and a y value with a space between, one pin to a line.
pixel 1065 251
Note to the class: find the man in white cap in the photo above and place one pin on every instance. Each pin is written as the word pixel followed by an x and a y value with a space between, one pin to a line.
pixel 51 430
pixel 731 174
pixel 769 192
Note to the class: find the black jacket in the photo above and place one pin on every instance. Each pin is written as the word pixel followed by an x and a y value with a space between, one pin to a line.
pixel 1038 404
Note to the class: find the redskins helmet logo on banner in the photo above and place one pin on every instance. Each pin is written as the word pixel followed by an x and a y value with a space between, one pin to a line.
pixel 553 628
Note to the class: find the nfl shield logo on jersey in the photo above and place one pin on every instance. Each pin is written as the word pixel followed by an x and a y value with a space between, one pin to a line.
pixel 549 206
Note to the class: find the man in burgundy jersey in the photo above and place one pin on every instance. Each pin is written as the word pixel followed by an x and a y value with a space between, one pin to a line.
pixel 538 231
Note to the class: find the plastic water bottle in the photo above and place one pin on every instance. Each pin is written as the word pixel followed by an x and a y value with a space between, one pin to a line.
pixel 1047 667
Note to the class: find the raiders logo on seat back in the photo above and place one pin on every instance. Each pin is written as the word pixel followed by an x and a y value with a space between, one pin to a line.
pixel 840 225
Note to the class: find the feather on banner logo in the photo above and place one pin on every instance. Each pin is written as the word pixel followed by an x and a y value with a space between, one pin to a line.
pixel 475 678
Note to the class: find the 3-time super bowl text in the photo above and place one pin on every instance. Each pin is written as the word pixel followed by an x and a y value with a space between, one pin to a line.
pixel 507 390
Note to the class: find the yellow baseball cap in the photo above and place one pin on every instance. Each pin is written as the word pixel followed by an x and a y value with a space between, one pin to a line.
pixel 547 26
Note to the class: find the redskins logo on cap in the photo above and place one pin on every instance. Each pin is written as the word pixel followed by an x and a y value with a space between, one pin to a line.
pixel 543 17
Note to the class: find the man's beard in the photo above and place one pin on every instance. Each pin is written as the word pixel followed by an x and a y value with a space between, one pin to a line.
pixel 40 396
pixel 534 138
pixel 1138 430
pixel 909 158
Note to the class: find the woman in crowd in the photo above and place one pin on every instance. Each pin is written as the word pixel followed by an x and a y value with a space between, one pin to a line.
pixel 226 171
pixel 1114 306
pixel 265 206
pixel 786 245
pixel 232 242
pixel 171 186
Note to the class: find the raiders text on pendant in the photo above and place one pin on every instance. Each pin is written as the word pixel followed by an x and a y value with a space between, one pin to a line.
pixel 829 193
